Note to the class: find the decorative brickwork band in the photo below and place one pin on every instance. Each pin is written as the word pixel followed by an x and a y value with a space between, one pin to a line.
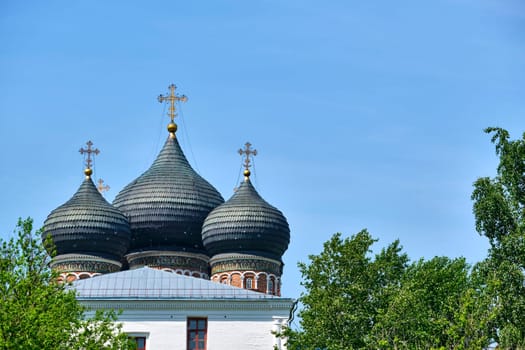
pixel 79 266
pixel 247 271
pixel 244 262
pixel 184 263
pixel 69 277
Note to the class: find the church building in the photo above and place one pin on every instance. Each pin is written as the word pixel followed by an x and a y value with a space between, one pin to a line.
pixel 188 269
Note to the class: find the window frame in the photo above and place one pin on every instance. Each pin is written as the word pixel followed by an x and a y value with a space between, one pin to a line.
pixel 134 336
pixel 197 329
pixel 271 286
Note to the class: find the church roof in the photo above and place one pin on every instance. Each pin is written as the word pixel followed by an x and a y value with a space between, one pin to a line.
pixel 147 283
pixel 246 223
pixel 88 224
pixel 168 203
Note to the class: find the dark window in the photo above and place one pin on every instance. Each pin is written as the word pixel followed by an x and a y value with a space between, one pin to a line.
pixel 141 342
pixel 249 283
pixel 270 287
pixel 197 333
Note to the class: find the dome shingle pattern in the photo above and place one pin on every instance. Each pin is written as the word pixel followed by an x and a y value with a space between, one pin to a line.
pixel 88 224
pixel 246 223
pixel 168 203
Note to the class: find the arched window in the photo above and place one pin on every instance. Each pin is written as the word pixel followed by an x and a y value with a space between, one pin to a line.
pixel 249 283
pixel 270 286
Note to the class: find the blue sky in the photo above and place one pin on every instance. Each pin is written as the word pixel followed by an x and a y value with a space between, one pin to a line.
pixel 365 114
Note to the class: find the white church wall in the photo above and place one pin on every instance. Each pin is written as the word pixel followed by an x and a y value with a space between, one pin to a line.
pixel 230 324
pixel 159 335
pixel 222 335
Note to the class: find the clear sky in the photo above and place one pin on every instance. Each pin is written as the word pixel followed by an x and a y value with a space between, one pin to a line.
pixel 365 114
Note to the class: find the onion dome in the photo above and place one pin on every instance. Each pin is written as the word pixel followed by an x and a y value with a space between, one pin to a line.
pixel 88 225
pixel 168 203
pixel 246 224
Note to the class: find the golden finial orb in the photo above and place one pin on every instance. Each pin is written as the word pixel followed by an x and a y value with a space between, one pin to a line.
pixel 247 173
pixel 88 172
pixel 172 127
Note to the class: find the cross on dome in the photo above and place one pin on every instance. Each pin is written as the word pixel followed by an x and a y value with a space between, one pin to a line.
pixel 89 151
pixel 101 187
pixel 172 98
pixel 247 152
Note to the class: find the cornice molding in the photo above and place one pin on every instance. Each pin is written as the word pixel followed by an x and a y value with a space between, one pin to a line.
pixel 269 304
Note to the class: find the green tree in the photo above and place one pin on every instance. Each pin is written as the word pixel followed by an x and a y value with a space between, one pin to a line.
pixel 356 300
pixel 38 313
pixel 344 290
pixel 499 209
pixel 437 305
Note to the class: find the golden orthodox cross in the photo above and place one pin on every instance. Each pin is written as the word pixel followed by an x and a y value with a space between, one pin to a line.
pixel 89 151
pixel 172 99
pixel 248 152
pixel 101 187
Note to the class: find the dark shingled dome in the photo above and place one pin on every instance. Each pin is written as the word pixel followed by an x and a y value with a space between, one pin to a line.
pixel 88 224
pixel 168 203
pixel 246 223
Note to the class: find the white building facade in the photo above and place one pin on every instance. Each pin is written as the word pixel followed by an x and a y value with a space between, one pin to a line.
pixel 163 310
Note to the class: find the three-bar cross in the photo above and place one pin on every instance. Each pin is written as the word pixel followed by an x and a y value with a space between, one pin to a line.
pixel 89 151
pixel 172 99
pixel 248 152
pixel 101 187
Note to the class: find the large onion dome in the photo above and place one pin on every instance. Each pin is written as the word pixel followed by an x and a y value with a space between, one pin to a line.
pixel 88 225
pixel 168 203
pixel 246 224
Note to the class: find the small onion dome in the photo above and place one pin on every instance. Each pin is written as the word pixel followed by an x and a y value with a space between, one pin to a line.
pixel 168 203
pixel 88 224
pixel 246 223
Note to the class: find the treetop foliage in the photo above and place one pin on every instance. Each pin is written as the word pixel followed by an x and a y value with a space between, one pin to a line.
pixel 36 312
pixel 356 300
pixel 499 203
pixel 499 209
